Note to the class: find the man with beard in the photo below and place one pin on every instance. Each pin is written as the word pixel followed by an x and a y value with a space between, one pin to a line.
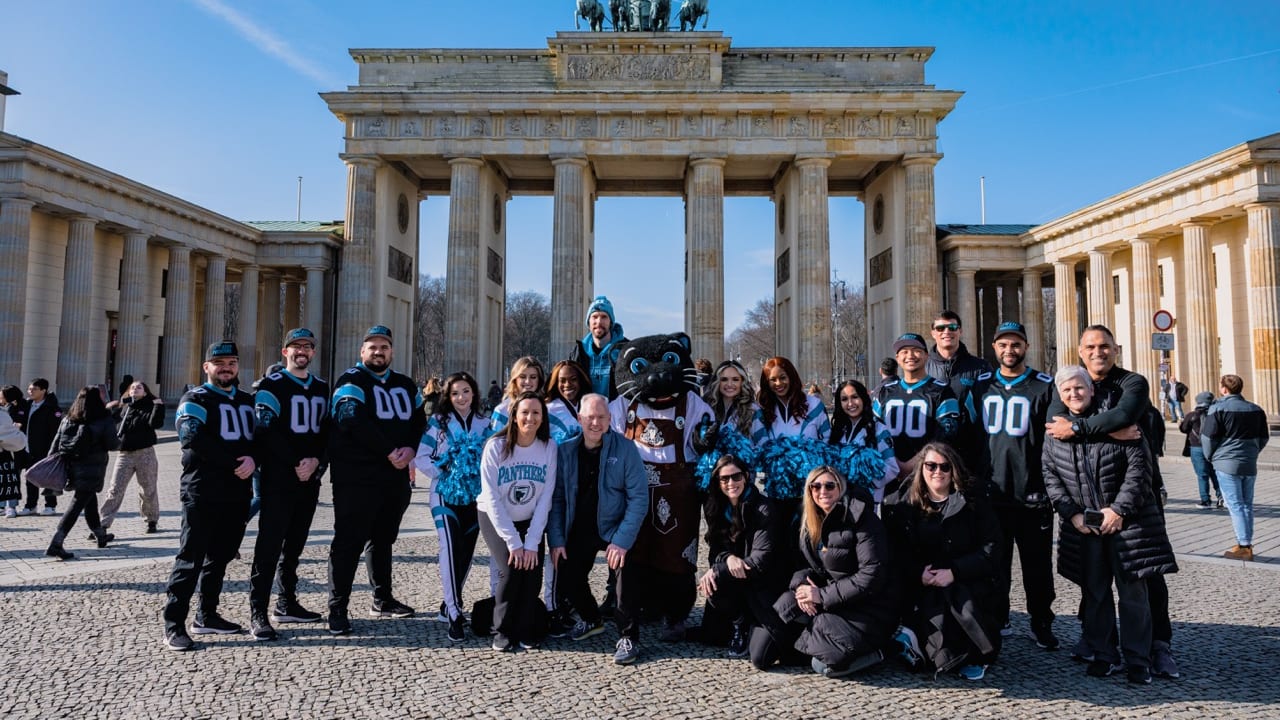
pixel 596 352
pixel 215 431
pixel 377 423
pixel 915 408
pixel 1013 403
pixel 292 429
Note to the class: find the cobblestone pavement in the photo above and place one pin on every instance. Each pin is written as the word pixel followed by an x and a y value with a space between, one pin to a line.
pixel 82 639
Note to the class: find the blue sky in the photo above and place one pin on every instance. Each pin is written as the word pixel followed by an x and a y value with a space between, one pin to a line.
pixel 1065 103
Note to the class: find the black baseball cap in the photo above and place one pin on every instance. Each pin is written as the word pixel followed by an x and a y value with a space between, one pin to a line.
pixel 299 335
pixel 907 340
pixel 1010 328
pixel 378 331
pixel 222 349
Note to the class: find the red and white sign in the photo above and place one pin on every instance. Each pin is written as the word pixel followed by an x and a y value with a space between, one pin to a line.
pixel 1163 320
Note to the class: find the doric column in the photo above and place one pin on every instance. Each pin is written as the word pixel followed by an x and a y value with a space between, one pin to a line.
pixel 215 301
pixel 74 337
pixel 314 302
pixel 15 245
pixel 1263 247
pixel 1067 323
pixel 1199 321
pixel 178 367
pixel 292 311
pixel 269 319
pixel 1009 303
pixel 812 271
pixel 355 301
pixel 568 257
pixel 1102 309
pixel 967 307
pixel 131 340
pixel 247 325
pixel 921 247
pixel 1033 317
pixel 1145 295
pixel 462 276
pixel 704 248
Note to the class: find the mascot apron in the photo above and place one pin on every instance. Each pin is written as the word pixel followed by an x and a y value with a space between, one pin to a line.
pixel 668 540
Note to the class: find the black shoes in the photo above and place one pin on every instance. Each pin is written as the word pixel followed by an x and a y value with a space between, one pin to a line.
pixel 1044 637
pixel 559 625
pixel 214 624
pixel 261 628
pixel 104 538
pixel 738 643
pixel 1101 668
pixel 457 629
pixel 1139 675
pixel 151 528
pixel 178 640
pixel 338 622
pixel 390 608
pixel 57 551
pixel 291 612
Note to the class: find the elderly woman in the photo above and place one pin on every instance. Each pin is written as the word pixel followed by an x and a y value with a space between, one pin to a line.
pixel 1112 533
pixel 946 547
pixel 838 612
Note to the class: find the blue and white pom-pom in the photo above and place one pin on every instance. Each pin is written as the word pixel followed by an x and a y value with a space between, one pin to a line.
pixel 728 442
pixel 459 480
pixel 787 461
pixel 862 466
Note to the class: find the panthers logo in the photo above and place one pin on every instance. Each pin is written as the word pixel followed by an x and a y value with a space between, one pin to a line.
pixel 519 493
pixel 655 369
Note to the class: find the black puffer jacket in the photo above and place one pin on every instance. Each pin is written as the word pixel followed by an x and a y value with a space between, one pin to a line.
pixel 138 426
pixel 85 447
pixel 1085 474
pixel 759 545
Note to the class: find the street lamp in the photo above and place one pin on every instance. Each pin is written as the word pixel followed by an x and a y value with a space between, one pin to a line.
pixel 839 293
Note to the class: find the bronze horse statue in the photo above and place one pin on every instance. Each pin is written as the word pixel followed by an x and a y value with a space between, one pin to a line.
pixel 591 11
pixel 691 11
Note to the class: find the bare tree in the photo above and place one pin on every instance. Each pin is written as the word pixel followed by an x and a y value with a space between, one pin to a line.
pixel 849 325
pixel 428 337
pixel 755 340
pixel 528 327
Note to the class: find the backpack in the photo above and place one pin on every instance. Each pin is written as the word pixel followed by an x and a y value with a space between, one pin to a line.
pixel 1180 391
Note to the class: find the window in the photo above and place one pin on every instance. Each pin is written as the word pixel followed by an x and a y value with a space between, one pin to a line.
pixel 1115 289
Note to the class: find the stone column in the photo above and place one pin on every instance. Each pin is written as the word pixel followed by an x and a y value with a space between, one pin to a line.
pixel 920 250
pixel 1067 323
pixel 215 301
pixel 1199 321
pixel 1009 303
pixel 1102 309
pixel 1033 317
pixel 1145 294
pixel 74 346
pixel 1263 247
pixel 314 302
pixel 131 340
pixel 178 367
pixel 247 325
pixel 704 250
pixel 15 245
pixel 812 271
pixel 462 275
pixel 269 319
pixel 292 312
pixel 981 346
pixel 568 257
pixel 355 301
pixel 966 306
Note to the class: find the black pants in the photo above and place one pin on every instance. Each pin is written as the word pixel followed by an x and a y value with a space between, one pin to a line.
pixel 1031 530
pixel 573 582
pixel 33 497
pixel 211 535
pixel 1101 565
pixel 287 507
pixel 515 605
pixel 736 601
pixel 669 595
pixel 85 499
pixel 457 527
pixel 365 517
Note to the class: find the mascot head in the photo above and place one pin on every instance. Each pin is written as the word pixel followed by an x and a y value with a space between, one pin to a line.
pixel 655 369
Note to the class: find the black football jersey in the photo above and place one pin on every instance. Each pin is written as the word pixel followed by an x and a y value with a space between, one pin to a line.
pixel 292 420
pixel 1013 416
pixel 373 415
pixel 215 429
pixel 917 413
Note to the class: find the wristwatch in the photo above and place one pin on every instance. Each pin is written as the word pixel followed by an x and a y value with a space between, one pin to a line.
pixel 1076 429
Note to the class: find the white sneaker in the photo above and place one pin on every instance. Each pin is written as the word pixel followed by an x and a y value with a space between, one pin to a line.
pixel 10 512
pixel 48 511
pixel 25 511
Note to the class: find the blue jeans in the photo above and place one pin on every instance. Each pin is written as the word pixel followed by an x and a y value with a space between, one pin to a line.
pixel 1237 492
pixel 255 504
pixel 1175 409
pixel 1204 474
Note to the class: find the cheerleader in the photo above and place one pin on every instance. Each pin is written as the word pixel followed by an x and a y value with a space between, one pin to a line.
pixel 564 390
pixel 732 397
pixel 853 424
pixel 527 375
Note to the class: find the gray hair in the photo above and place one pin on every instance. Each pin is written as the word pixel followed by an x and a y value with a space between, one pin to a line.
pixel 594 397
pixel 1072 372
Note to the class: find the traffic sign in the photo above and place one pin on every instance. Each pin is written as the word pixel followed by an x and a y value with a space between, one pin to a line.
pixel 1163 321
pixel 1161 341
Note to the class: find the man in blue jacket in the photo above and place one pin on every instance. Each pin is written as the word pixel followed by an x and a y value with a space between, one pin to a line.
pixel 601 497
pixel 1233 433
pixel 596 352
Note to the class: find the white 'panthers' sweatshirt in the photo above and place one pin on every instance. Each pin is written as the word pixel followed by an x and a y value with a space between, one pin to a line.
pixel 517 488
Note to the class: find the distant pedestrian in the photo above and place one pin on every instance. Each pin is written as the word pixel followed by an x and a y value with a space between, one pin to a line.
pixel 1177 395
pixel 1190 426
pixel 888 370
pixel 12 443
pixel 43 418
pixel 493 397
pixel 1233 433
pixel 140 415
pixel 84 437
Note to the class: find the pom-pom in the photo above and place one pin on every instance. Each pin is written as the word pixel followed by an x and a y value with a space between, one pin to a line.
pixel 728 442
pixel 459 480
pixel 787 461
pixel 862 466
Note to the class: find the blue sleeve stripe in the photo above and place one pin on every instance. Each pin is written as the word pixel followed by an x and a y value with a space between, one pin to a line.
pixel 195 410
pixel 875 408
pixel 349 391
pixel 264 398
pixel 948 408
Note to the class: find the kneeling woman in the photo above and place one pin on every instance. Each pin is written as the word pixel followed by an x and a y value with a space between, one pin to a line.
pixel 743 580
pixel 945 548
pixel 838 612
pixel 517 478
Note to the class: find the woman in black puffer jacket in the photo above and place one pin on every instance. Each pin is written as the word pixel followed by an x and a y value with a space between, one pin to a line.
pixel 143 414
pixel 84 438
pixel 1125 543
pixel 838 612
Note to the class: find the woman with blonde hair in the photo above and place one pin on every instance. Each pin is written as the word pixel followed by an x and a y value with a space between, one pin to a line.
pixel 527 376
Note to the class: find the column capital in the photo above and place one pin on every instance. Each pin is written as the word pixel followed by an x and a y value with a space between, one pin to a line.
pixel 965 273
pixel 1198 223
pixel 17 202
pixel 823 161
pixel 134 233
pixel 704 160
pixel 364 160
pixel 472 160
pixel 1101 252
pixel 180 249
pixel 930 159
pixel 579 160
pixel 82 219
pixel 1263 205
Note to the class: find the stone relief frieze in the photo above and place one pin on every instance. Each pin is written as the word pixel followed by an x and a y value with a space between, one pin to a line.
pixel 639 68
pixel 868 127
pixel 515 126
pixel 655 127
pixel 832 127
pixel 798 127
pixel 691 126
pixel 586 127
pixel 620 127
pixel 760 127
pixel 375 127
pixel 446 127
pixel 479 127
pixel 410 128
pixel 551 127
pixel 905 127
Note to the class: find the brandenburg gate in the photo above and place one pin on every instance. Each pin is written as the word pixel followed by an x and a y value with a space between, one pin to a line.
pixel 631 113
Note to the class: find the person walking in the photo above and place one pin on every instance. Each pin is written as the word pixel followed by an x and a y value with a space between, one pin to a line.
pixel 140 415
pixel 1191 447
pixel 1177 396
pixel 13 451
pixel 84 438
pixel 1232 434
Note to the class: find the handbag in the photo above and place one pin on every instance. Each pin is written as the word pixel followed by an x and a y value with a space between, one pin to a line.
pixel 50 473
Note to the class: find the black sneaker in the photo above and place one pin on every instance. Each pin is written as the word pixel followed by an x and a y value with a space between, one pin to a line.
pixel 738 643
pixel 261 628
pixel 338 622
pixel 1101 669
pixel 1044 637
pixel 1139 675
pixel 390 609
pixel 559 625
pixel 152 529
pixel 292 612
pixel 104 538
pixel 583 630
pixel 214 624
pixel 457 629
pixel 178 640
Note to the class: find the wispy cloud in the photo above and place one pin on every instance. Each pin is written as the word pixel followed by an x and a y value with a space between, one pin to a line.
pixel 267 41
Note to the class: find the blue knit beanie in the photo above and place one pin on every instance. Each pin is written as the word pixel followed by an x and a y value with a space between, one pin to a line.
pixel 600 304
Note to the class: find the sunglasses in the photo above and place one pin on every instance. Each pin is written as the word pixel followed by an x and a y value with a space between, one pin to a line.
pixel 936 466
pixel 953 327
pixel 732 478
pixel 829 486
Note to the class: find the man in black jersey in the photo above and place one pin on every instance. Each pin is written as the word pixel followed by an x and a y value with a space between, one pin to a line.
pixel 915 408
pixel 215 430
pixel 291 408
pixel 1124 412
pixel 1014 402
pixel 377 423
